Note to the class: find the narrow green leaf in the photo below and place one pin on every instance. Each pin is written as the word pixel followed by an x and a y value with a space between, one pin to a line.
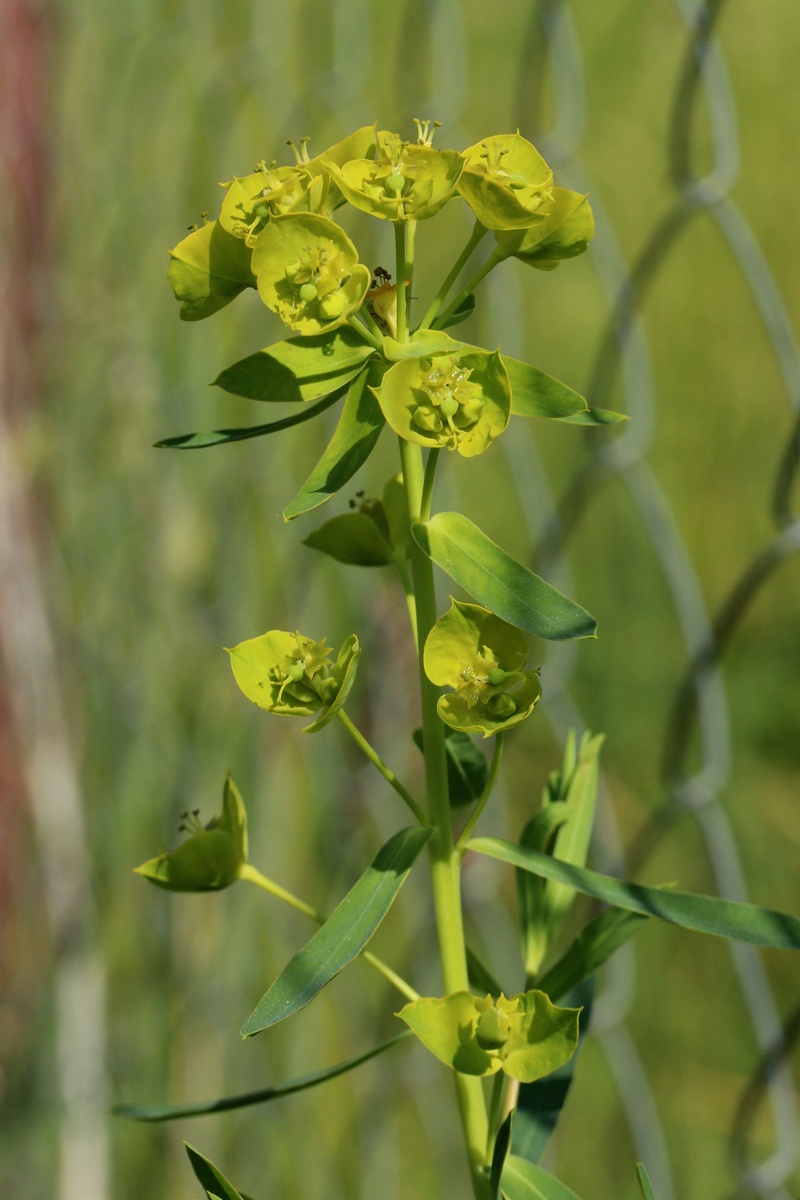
pixel 572 839
pixel 534 394
pixel 198 441
pixel 467 768
pixel 593 946
pixel 536 835
pixel 523 1180
pixel 343 936
pixel 702 914
pixel 171 1112
pixel 498 581
pixel 595 416
pixel 352 443
pixel 644 1182
pixel 299 368
pixel 351 538
pixel 539 1104
pixel 502 1145
pixel 210 1178
pixel 465 309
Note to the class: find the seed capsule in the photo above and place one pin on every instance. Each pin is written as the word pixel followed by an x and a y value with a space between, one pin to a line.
pixel 395 182
pixel 332 306
pixel 308 292
pixel 493 1029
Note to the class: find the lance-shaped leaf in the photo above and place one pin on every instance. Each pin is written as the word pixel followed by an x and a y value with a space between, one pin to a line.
pixel 701 914
pixel 645 1185
pixel 526 1036
pixel 539 1104
pixel 522 1180
pixel 595 417
pixel 174 1112
pixel 502 1145
pixel 207 270
pixel 467 768
pixel 220 437
pixel 534 394
pixel 344 935
pixel 465 309
pixel 353 441
pixel 212 857
pixel 536 835
pixel 352 538
pixel 299 368
pixel 498 581
pixel 211 1179
pixel 593 946
pixel 565 231
pixel 577 783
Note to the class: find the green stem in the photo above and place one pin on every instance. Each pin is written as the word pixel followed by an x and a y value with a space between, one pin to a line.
pixel 427 485
pixel 491 779
pixel 400 276
pixel 251 874
pixel 408 588
pixel 475 237
pixel 495 1110
pixel 445 862
pixel 494 258
pixel 370 322
pixel 362 331
pixel 378 762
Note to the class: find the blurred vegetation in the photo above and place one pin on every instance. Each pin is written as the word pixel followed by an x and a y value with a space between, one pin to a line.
pixel 155 560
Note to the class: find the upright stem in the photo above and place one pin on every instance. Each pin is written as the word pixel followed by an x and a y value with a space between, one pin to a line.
pixel 445 861
pixel 400 276
pixel 438 300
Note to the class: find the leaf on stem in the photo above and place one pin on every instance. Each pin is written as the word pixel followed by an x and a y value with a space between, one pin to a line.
pixel 502 1145
pixel 644 1182
pixel 701 914
pixel 465 309
pixel 352 538
pixel 535 394
pixel 467 768
pixel 219 437
pixel 539 1104
pixel 498 581
pixel 523 1180
pixel 595 417
pixel 593 946
pixel 299 368
pixel 172 1112
pixel 210 1178
pixel 344 935
pixel 352 443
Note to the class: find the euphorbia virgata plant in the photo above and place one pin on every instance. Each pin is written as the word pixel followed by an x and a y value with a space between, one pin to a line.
pixel 397 370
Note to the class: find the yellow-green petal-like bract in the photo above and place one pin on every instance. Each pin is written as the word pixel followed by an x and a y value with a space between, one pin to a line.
pixel 308 272
pixel 564 232
pixel 212 857
pixel 207 270
pixel 526 1036
pixel 506 182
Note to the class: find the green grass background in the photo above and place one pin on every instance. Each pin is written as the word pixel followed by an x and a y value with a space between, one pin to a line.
pixel 156 560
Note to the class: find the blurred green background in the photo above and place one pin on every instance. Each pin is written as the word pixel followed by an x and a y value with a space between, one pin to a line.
pixel 148 562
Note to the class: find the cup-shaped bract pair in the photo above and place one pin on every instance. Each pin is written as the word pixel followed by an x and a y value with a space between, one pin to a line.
pixel 294 676
pixel 506 182
pixel 270 191
pixel 406 181
pixel 459 400
pixel 564 231
pixel 211 857
pixel 308 272
pixel 482 658
pixel 526 1036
